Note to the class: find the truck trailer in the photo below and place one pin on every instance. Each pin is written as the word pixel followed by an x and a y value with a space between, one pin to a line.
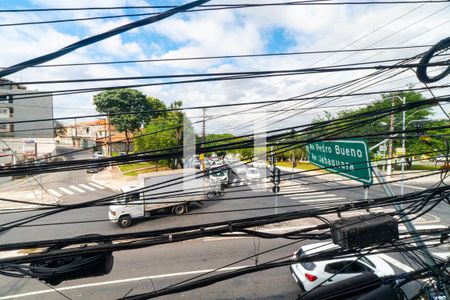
pixel 167 191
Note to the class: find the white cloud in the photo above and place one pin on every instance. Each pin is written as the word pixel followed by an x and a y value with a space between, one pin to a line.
pixel 307 28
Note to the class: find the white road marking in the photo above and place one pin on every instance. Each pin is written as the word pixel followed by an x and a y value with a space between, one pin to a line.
pixel 410 186
pixel 97 185
pixel 396 263
pixel 77 189
pixel 423 227
pixel 86 187
pixel 323 199
pixel 295 188
pixel 308 194
pixel 69 192
pixel 444 255
pixel 48 291
pixel 54 193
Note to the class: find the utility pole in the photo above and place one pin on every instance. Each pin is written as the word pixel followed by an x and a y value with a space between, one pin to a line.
pixel 403 147
pixel 391 129
pixel 109 137
pixel 203 126
pixel 202 154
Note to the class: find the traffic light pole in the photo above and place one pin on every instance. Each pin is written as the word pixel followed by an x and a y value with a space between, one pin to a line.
pixel 405 218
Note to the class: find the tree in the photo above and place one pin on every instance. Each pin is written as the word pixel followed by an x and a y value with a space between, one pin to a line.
pixel 165 131
pixel 126 100
pixel 60 130
pixel 368 127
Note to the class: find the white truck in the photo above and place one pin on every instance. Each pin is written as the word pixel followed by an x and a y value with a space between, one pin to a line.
pixel 170 195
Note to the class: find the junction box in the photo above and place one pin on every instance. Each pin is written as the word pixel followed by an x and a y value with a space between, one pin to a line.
pixel 364 231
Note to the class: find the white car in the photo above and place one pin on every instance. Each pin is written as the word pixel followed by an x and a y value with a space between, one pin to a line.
pixel 218 176
pixel 98 154
pixel 260 164
pixel 441 158
pixel 308 275
pixel 252 175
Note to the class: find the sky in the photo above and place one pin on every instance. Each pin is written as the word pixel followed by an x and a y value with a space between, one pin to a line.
pixel 226 32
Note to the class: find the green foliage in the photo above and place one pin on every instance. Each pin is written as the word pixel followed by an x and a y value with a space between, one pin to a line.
pixel 127 100
pixel 245 153
pixel 165 131
pixel 412 116
pixel 124 100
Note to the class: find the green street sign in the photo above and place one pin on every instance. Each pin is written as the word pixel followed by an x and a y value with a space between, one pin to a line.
pixel 349 158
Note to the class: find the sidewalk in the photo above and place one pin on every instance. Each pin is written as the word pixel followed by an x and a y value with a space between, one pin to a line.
pixel 112 178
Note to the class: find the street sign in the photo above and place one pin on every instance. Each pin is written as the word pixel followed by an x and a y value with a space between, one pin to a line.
pixel 349 158
pixel 382 148
pixel 400 151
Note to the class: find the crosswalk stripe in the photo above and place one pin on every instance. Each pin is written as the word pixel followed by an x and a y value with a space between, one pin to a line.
pixel 87 187
pixel 77 189
pixel 443 255
pixel 323 199
pixel 97 185
pixel 306 196
pixel 396 263
pixel 69 192
pixel 295 189
pixel 54 193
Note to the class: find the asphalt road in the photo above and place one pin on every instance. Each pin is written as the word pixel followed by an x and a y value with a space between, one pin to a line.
pixel 154 268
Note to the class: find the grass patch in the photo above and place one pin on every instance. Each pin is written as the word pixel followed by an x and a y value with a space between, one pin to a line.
pixel 140 168
pixel 420 167
pixel 303 165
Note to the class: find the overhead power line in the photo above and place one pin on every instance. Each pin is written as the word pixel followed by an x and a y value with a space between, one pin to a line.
pixel 231 56
pixel 99 37
pixel 218 6
pixel 243 74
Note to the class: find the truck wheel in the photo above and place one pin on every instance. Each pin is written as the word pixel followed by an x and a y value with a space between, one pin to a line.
pixel 179 209
pixel 124 222
pixel 211 195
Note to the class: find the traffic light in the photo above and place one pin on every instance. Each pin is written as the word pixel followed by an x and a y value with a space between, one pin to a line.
pixel 275 174
pixel 419 129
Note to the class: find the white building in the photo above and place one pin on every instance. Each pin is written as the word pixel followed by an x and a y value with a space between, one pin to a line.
pixel 28 140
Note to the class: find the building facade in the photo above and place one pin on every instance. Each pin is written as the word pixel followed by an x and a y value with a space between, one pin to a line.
pixel 28 140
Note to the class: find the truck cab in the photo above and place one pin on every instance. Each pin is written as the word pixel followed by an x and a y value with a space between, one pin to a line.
pixel 126 208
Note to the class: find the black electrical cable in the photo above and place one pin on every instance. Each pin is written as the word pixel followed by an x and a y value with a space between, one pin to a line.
pixel 99 37
pixel 176 59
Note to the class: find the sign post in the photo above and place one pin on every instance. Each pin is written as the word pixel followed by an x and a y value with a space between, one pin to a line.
pixel 349 158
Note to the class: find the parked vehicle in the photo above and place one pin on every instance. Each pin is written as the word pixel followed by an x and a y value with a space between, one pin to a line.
pixel 95 169
pixel 252 175
pixel 441 158
pixel 139 203
pixel 98 154
pixel 310 274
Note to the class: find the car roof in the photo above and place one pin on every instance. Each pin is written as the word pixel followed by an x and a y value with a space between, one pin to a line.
pixel 318 247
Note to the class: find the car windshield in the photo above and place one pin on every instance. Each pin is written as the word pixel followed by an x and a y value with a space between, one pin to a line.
pixel 217 174
pixel 308 265
pixel 253 171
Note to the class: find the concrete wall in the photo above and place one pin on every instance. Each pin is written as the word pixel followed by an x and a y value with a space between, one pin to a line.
pixel 33 107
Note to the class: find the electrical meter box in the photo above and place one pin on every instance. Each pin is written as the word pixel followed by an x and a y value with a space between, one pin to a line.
pixel 364 231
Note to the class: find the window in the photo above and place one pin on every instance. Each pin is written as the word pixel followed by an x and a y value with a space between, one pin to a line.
pixel 346 267
pixel 308 265
pixel 367 261
pixel 6 99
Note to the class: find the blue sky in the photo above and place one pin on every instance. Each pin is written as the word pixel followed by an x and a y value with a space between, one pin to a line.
pixel 245 31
